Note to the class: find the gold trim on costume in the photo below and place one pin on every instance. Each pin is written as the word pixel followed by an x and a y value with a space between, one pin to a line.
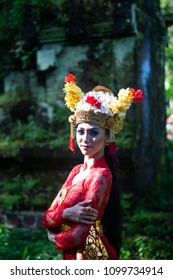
pixel 99 119
pixel 61 195
pixel 94 248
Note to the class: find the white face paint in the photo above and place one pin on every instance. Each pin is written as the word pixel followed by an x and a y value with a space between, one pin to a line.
pixel 91 139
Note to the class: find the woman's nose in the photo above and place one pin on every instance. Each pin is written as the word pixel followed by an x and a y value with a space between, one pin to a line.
pixel 86 137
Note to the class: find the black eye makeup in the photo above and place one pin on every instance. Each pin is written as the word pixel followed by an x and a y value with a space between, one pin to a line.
pixel 92 131
pixel 80 131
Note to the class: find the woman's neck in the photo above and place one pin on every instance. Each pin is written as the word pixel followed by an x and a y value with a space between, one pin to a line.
pixel 90 161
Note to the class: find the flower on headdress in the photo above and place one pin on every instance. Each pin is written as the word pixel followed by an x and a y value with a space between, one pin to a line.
pixel 125 98
pixel 70 78
pixel 99 101
pixel 72 91
pixel 121 103
pixel 115 106
pixel 93 101
pixel 137 94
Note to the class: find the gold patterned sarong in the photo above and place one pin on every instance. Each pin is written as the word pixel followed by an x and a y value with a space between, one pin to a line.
pixel 94 248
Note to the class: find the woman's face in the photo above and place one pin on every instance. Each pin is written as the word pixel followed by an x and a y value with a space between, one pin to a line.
pixel 91 139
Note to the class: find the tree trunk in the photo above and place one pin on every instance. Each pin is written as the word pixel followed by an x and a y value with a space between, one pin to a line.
pixel 150 77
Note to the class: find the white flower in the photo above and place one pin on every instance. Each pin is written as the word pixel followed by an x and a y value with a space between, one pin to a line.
pixel 105 98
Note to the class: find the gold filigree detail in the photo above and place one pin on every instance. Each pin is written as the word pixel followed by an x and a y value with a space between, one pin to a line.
pixel 61 195
pixel 99 119
pixel 95 249
pixel 119 123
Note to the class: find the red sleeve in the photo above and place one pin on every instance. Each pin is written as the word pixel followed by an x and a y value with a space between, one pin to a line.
pixel 52 218
pixel 98 187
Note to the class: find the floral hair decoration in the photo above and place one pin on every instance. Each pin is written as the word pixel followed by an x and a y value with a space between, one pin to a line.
pixel 98 106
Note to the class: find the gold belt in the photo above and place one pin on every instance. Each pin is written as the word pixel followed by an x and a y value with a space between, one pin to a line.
pixel 98 225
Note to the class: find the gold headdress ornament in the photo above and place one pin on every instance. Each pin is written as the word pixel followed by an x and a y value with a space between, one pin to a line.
pixel 98 106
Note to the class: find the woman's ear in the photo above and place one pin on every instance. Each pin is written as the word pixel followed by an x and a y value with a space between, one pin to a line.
pixel 107 142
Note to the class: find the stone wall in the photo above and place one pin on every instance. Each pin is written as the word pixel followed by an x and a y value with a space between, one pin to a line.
pixel 30 220
pixel 98 52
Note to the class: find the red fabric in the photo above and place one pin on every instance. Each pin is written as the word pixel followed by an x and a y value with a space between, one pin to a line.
pixel 72 144
pixel 112 148
pixel 96 186
pixel 111 251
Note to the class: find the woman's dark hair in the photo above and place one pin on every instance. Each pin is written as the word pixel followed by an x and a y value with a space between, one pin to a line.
pixel 112 217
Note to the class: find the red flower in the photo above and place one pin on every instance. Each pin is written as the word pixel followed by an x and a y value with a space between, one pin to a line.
pixel 137 94
pixel 70 78
pixel 93 101
pixel 90 100
pixel 132 90
pixel 98 104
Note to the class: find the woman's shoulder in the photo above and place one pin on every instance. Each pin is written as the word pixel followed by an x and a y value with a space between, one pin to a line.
pixel 101 171
pixel 101 176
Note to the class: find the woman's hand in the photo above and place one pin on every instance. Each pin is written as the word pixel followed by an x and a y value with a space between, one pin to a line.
pixel 81 213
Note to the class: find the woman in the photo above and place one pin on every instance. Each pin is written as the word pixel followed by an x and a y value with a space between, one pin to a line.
pixel 84 220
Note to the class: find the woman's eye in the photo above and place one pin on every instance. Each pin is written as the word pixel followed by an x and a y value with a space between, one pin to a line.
pixel 91 133
pixel 94 133
pixel 80 132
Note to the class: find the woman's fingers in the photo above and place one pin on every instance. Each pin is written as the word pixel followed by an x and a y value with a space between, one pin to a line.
pixel 82 212
pixel 85 202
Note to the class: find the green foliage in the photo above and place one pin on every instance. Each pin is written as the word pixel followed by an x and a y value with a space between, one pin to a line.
pixel 148 222
pixel 8 147
pixel 166 5
pixel 21 244
pixel 11 98
pixel 147 234
pixel 12 14
pixel 127 200
pixel 20 24
pixel 39 14
pixel 23 192
pixel 22 129
pixel 166 9
pixel 159 196
pixel 31 132
pixel 169 65
pixel 142 247
pixel 125 140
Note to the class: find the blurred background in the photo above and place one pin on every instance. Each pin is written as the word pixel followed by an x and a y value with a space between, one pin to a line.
pixel 113 43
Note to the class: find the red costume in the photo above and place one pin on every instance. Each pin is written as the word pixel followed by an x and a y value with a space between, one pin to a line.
pixel 73 239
